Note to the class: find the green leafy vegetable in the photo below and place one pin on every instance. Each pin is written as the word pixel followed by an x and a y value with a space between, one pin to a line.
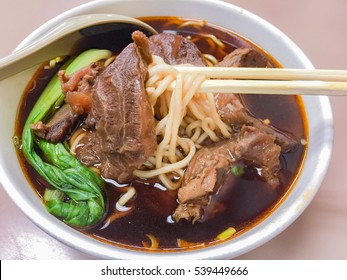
pixel 77 196
pixel 237 170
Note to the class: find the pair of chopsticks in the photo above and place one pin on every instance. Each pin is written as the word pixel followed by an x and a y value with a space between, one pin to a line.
pixel 270 80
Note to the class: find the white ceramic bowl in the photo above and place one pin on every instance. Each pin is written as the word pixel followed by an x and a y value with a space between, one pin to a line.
pixel 217 12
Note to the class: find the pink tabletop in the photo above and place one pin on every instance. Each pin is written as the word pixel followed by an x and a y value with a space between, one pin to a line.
pixel 319 28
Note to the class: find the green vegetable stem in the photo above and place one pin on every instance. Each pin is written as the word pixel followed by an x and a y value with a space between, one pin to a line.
pixel 76 195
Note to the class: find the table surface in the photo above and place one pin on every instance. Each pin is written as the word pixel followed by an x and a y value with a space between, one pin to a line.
pixel 319 28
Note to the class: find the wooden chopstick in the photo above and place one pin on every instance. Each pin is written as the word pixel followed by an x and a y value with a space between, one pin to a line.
pixel 271 80
pixel 266 73
pixel 274 87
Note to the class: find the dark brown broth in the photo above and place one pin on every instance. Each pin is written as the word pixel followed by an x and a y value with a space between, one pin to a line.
pixel 247 200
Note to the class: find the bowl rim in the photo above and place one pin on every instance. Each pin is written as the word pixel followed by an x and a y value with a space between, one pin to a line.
pixel 82 243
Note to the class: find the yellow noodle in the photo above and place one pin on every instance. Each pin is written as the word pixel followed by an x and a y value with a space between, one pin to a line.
pixel 96 170
pixel 109 60
pixel 192 126
pixel 74 135
pixel 215 40
pixel 154 242
pixel 196 135
pixel 222 126
pixel 206 123
pixel 171 167
pixel 75 143
pixel 160 89
pixel 178 117
pixel 210 59
pixel 127 196
pixel 194 23
pixel 194 109
pixel 202 138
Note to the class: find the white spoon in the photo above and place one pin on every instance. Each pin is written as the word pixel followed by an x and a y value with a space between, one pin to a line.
pixel 62 40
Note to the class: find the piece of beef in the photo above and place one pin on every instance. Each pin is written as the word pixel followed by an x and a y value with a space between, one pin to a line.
pixel 59 126
pixel 210 164
pixel 232 111
pixel 244 57
pixel 88 149
pixel 188 211
pixel 175 49
pixel 77 87
pixel 124 135
pixel 230 107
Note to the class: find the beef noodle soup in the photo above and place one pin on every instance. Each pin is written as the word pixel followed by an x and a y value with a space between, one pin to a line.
pixel 154 173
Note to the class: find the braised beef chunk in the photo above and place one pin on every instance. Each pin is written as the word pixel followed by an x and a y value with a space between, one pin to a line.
pixel 210 164
pixel 230 107
pixel 59 127
pixel 88 149
pixel 244 57
pixel 259 148
pixel 175 49
pixel 124 123
pixel 232 111
pixel 188 211
pixel 77 87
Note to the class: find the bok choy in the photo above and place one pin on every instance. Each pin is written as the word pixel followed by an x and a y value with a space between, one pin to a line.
pixel 76 195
